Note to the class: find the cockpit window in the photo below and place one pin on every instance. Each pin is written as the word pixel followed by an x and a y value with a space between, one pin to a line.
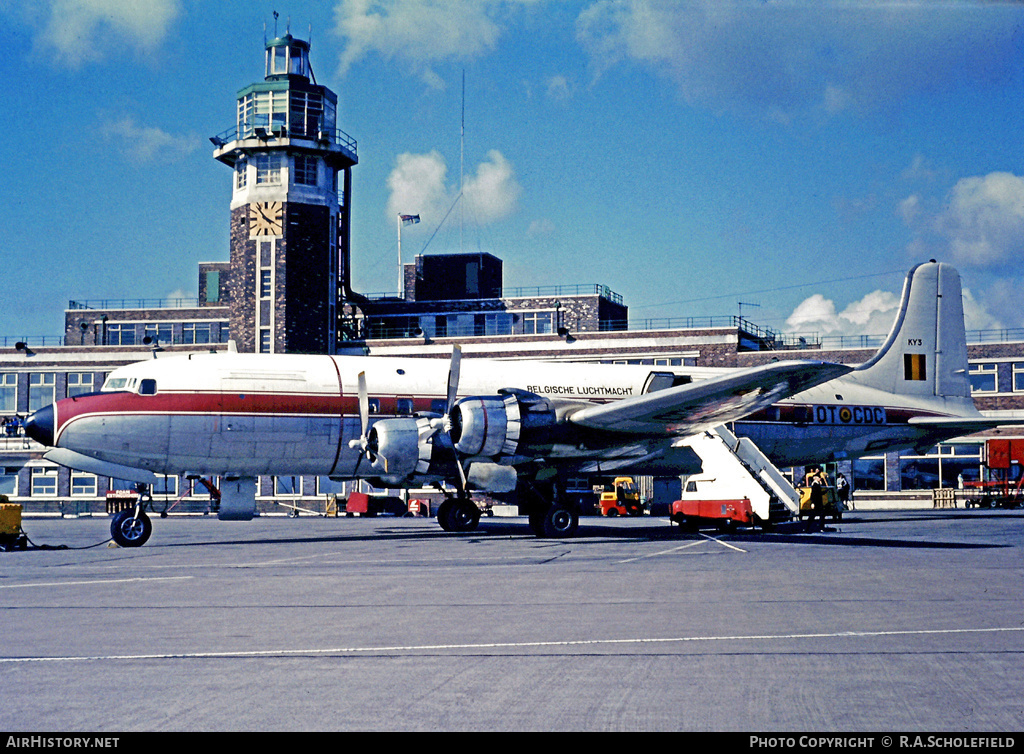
pixel 131 384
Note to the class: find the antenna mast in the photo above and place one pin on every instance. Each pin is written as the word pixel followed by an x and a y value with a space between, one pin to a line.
pixel 462 165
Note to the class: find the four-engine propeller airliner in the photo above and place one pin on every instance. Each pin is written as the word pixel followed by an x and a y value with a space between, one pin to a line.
pixel 496 426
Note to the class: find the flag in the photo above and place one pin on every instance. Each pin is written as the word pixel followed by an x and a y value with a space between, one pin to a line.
pixel 914 366
pixel 409 219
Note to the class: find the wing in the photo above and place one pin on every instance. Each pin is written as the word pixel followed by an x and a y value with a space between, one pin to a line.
pixel 694 407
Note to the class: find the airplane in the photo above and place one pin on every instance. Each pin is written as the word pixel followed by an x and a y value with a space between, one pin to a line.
pixel 498 426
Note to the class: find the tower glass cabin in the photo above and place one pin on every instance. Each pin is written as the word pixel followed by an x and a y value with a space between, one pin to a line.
pixel 290 203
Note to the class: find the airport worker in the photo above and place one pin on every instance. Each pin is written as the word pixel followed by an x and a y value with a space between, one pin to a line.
pixel 817 519
pixel 843 490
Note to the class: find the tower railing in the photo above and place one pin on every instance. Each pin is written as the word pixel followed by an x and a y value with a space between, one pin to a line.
pixel 267 131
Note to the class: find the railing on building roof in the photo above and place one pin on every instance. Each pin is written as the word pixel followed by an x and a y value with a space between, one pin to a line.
pixel 108 304
pixel 531 291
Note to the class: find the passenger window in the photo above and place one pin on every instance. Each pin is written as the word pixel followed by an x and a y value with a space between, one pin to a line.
pixel 691 486
pixel 147 387
pixel 404 406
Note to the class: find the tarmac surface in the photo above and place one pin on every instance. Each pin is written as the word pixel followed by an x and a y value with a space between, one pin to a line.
pixel 886 622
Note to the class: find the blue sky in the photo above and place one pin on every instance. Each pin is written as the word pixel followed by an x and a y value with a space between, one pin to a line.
pixel 796 156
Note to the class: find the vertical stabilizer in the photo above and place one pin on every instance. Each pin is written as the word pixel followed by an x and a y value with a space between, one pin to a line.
pixel 926 351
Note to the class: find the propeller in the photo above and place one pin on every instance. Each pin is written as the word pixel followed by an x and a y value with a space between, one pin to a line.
pixel 444 425
pixel 362 443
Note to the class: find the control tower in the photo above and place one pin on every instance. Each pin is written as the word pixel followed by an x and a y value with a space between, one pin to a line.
pixel 290 208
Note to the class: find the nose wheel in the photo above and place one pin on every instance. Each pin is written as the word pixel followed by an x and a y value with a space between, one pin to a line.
pixel 131 528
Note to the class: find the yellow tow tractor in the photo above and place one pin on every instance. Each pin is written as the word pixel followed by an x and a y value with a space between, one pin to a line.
pixel 621 498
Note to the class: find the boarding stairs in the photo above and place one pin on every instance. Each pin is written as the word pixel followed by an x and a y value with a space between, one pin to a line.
pixel 747 472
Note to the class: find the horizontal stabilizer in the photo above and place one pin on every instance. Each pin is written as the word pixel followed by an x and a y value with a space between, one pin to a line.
pixel 969 425
pixel 80 462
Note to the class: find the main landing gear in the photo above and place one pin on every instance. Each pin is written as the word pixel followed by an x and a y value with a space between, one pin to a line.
pixel 550 515
pixel 556 521
pixel 458 514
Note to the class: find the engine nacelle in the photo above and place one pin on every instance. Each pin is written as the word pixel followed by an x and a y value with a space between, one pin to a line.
pixel 500 427
pixel 400 448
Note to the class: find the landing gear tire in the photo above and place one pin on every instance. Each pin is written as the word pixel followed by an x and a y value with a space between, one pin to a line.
pixel 558 522
pixel 130 530
pixel 458 515
pixel 464 516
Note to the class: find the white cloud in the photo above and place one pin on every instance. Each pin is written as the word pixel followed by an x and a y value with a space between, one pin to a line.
pixel 492 194
pixel 977 316
pixel 983 220
pixel 418 185
pixel 418 32
pixel 910 209
pixel 144 144
pixel 83 31
pixel 790 55
pixel 871 315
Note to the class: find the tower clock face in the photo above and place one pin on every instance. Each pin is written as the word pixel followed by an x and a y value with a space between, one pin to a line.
pixel 265 219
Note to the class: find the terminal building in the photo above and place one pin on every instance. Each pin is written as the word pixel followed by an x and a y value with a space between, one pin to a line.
pixel 287 288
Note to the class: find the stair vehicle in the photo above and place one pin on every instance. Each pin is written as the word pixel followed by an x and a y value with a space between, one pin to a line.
pixel 738 485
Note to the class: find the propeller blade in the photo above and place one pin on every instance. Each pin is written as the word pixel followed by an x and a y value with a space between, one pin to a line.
pixel 364 405
pixel 363 441
pixel 453 378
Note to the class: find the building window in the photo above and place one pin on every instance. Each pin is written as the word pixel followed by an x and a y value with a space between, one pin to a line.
pixel 241 177
pixel 983 378
pixel 195 332
pixel 1018 377
pixel 213 286
pixel 868 474
pixel 83 485
pixel 536 323
pixel 268 169
pixel 8 393
pixel 307 113
pixel 265 340
pixel 266 284
pixel 40 390
pixel 44 481
pixel 166 485
pixel 305 170
pixel 79 383
pixel 9 480
pixel 287 485
pixel 121 334
pixel 159 332
pixel 499 323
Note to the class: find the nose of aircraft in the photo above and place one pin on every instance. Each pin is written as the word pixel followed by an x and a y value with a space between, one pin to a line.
pixel 39 426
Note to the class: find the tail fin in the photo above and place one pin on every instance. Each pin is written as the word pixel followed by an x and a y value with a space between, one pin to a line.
pixel 926 351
